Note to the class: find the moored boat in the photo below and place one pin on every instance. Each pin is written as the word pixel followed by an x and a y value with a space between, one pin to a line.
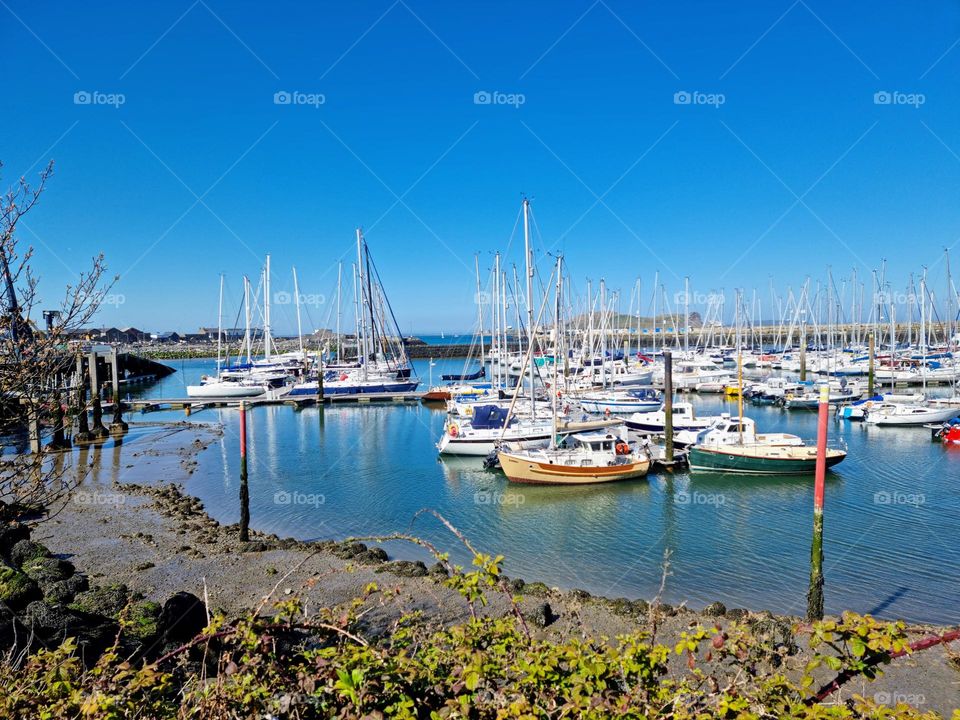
pixel 579 459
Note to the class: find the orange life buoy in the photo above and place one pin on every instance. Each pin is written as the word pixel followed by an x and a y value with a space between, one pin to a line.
pixel 622 448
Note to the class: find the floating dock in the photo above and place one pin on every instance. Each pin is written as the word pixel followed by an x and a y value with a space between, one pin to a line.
pixel 146 405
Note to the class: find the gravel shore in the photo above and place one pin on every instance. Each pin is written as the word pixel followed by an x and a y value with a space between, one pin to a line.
pixel 130 522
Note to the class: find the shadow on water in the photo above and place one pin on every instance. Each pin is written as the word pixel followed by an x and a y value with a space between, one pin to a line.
pixel 890 600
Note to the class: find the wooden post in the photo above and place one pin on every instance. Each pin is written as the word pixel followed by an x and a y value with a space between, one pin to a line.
pixel 815 593
pixel 92 371
pixel 668 405
pixel 870 371
pixel 115 370
pixel 244 489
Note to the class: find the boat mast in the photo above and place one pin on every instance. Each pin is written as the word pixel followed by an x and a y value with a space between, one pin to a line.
pixel 603 333
pixel 739 370
pixel 556 351
pixel 528 258
pixel 339 313
pixel 296 295
pixel 267 339
pixel 246 317
pixel 361 313
pixel 495 339
pixel 656 285
pixel 686 315
pixel 476 264
pixel 219 326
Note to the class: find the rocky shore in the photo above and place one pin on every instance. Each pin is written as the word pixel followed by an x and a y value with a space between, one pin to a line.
pixel 135 542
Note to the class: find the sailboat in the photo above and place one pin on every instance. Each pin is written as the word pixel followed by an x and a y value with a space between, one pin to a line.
pixel 736 447
pixel 381 365
pixel 578 458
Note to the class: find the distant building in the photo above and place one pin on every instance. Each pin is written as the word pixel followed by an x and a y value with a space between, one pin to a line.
pixel 166 337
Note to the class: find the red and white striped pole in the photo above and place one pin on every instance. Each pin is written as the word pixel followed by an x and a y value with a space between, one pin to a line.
pixel 815 592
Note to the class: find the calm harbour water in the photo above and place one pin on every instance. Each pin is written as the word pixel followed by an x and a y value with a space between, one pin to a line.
pixel 892 507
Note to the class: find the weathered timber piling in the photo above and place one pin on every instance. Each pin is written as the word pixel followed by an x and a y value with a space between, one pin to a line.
pixel 815 593
pixel 117 425
pixel 244 488
pixel 98 430
pixel 83 426
pixel 59 440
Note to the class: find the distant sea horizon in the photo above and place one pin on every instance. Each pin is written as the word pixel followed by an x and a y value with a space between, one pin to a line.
pixel 452 339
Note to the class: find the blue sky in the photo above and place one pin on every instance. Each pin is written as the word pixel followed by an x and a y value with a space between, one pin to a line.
pixel 784 161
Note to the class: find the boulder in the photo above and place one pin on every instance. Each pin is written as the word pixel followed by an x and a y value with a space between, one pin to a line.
pixel 16 589
pixel 143 621
pixel 26 550
pixel 47 570
pixel 182 617
pixel 715 609
pixel 541 615
pixel 10 535
pixel 405 568
pixel 54 623
pixel 64 591
pixel 373 555
pixel 106 601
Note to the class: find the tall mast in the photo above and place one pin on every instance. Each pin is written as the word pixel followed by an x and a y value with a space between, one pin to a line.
pixel 556 350
pixel 219 325
pixel 476 264
pixel 656 285
pixel 362 316
pixel 296 295
pixel 528 258
pixel 686 314
pixel 267 338
pixel 339 312
pixel 246 316
pixel 603 332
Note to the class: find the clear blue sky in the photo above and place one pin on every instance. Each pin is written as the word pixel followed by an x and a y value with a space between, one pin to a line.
pixel 400 147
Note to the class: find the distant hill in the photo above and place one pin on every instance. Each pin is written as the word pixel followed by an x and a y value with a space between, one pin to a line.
pixel 624 322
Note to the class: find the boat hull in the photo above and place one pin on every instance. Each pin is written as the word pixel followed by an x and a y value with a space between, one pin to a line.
pixel 760 461
pixel 215 391
pixel 520 469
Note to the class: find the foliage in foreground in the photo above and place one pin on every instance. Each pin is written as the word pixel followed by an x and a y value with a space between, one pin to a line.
pixel 320 666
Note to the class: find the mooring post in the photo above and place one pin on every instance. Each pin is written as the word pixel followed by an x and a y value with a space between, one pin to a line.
pixel 83 426
pixel 668 404
pixel 815 593
pixel 115 372
pixel 870 371
pixel 98 430
pixel 244 489
pixel 59 441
